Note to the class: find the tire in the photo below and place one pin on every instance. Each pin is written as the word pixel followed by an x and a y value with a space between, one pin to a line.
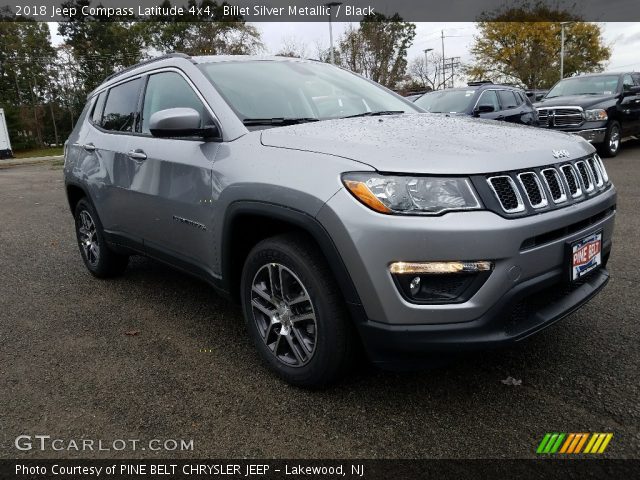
pixel 304 334
pixel 611 145
pixel 99 259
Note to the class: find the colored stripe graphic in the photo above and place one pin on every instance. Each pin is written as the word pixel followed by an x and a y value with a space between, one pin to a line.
pixel 572 443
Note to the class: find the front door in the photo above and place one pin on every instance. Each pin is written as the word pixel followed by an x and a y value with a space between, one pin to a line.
pixel 173 189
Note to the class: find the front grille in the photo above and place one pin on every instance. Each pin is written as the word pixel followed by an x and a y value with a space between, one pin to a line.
pixel 564 184
pixel 585 176
pixel 554 184
pixel 533 189
pixel 560 117
pixel 507 193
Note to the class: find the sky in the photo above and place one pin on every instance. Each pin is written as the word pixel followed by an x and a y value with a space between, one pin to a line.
pixel 623 38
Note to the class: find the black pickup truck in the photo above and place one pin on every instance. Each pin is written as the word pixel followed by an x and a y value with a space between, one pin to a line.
pixel 603 108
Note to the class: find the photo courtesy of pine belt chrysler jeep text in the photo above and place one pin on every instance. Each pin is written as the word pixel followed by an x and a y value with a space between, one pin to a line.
pixel 339 214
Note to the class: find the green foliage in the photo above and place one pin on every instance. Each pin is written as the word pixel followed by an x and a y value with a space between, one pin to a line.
pixel 514 46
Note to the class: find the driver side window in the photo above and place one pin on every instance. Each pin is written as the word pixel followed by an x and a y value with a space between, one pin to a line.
pixel 627 82
pixel 169 90
pixel 489 98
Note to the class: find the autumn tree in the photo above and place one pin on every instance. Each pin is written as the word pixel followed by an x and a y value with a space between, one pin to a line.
pixel 513 45
pixel 377 48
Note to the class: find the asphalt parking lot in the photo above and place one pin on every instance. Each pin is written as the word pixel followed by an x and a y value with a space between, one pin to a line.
pixel 156 354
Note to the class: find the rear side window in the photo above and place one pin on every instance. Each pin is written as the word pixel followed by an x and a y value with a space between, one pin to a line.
pixel 169 90
pixel 507 99
pixel 121 106
pixel 96 117
pixel 636 79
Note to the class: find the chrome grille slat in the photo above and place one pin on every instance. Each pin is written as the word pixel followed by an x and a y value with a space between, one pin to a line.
pixel 533 189
pixel 595 170
pixel 571 178
pixel 585 176
pixel 603 171
pixel 551 178
pixel 507 193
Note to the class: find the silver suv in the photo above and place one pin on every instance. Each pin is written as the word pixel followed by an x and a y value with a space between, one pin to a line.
pixel 336 212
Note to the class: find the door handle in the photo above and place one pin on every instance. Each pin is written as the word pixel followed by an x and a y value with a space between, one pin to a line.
pixel 89 147
pixel 137 155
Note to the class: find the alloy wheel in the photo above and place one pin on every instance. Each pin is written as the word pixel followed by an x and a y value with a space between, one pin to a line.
pixel 89 238
pixel 284 314
pixel 614 140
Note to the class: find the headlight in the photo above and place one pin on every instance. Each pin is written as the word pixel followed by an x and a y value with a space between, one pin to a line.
pixel 594 115
pixel 412 195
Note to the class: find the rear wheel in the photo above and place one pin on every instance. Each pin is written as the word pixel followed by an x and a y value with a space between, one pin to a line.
pixel 611 145
pixel 99 259
pixel 295 313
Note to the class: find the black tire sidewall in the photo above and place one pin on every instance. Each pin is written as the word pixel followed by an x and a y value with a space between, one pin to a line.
pixel 331 334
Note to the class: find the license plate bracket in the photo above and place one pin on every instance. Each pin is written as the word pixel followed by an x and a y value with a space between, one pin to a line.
pixel 584 256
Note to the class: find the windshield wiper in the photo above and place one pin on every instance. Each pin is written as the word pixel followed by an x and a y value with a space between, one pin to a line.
pixel 277 121
pixel 375 114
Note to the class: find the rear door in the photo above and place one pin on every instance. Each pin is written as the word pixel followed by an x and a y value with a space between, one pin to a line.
pixel 112 172
pixel 512 108
pixel 173 185
pixel 629 107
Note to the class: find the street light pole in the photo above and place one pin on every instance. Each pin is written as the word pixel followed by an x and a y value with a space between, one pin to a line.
pixel 562 24
pixel 332 55
pixel 444 78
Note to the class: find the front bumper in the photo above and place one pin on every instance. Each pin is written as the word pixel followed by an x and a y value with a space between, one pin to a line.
pixel 369 242
pixel 523 311
pixel 592 135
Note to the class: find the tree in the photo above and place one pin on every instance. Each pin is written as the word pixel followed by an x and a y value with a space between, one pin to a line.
pixel 377 48
pixel 429 73
pixel 25 81
pixel 216 34
pixel 101 45
pixel 514 46
pixel 292 47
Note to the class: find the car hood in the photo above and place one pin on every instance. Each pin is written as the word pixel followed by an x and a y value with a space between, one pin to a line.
pixel 429 143
pixel 584 101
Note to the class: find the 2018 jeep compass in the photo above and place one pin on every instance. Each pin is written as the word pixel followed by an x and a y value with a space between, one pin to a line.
pixel 335 210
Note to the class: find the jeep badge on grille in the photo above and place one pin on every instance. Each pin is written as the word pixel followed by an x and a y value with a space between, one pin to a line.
pixel 560 153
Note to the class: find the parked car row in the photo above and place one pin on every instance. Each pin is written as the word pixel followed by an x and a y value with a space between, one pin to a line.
pixel 603 108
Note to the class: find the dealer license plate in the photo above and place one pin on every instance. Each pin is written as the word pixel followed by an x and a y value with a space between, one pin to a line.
pixel 586 255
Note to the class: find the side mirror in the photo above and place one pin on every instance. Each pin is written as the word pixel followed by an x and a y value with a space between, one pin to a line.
pixel 180 122
pixel 483 109
pixel 635 90
pixel 539 96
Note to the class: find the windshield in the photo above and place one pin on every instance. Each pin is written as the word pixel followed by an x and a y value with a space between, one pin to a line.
pixel 597 85
pixel 446 101
pixel 297 90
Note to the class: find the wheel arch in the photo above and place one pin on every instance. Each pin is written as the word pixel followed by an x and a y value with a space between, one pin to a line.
pixel 265 220
pixel 75 193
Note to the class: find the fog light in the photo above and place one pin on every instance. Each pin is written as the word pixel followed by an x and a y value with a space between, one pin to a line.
pixel 400 268
pixel 414 286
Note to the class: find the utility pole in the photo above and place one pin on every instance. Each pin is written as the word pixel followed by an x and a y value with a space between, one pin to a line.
pixel 562 24
pixel 332 55
pixel 444 79
pixel 426 64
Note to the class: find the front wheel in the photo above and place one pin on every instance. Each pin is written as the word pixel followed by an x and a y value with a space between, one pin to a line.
pixel 611 145
pixel 295 313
